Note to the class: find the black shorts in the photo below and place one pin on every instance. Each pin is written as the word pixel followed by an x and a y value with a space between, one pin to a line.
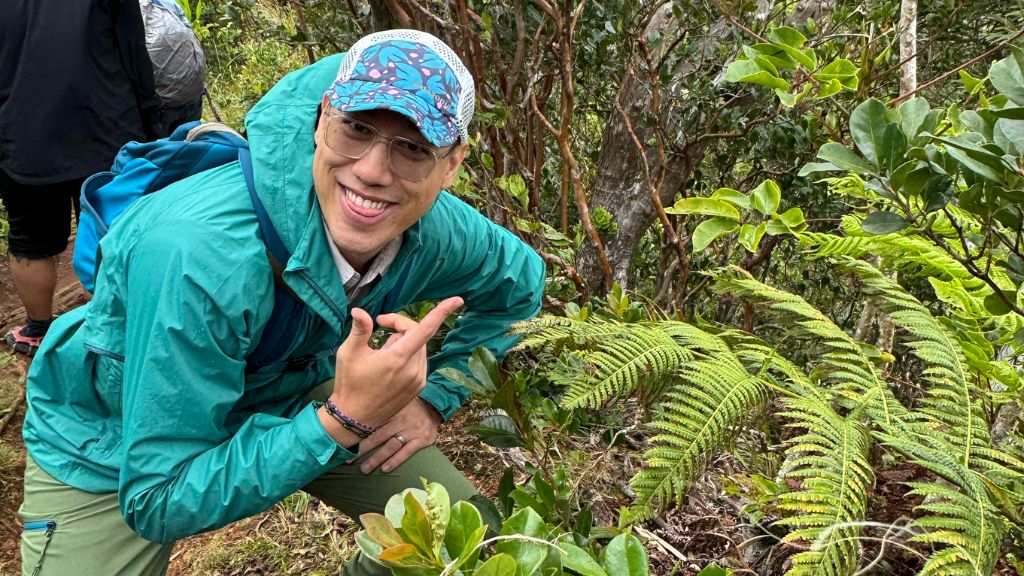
pixel 39 216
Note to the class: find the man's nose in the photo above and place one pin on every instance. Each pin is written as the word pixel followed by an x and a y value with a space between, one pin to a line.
pixel 373 168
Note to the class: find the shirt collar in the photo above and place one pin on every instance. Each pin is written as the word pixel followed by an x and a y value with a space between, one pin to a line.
pixel 353 280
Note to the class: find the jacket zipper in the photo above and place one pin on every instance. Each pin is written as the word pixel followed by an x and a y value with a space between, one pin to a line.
pixel 50 526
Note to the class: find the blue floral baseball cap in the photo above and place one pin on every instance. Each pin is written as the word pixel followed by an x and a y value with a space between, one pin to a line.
pixel 412 73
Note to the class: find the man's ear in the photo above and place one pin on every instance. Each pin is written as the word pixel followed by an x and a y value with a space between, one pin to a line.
pixel 452 163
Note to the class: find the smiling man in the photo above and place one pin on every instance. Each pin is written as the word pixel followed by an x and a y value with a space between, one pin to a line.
pixel 149 421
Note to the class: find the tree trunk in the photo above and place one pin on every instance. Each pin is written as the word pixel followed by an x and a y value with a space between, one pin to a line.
pixel 908 46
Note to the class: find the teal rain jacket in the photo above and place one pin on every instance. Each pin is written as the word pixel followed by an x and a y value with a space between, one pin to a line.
pixel 143 391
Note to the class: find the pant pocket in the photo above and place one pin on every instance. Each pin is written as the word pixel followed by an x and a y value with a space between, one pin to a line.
pixel 36 535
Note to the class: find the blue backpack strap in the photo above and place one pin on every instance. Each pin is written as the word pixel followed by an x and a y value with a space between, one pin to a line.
pixel 286 320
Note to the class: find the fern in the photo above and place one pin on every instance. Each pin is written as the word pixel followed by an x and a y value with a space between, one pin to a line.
pixel 831 458
pixel 845 359
pixel 961 518
pixel 695 421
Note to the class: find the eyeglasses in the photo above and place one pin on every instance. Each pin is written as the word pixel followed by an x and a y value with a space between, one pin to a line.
pixel 408 159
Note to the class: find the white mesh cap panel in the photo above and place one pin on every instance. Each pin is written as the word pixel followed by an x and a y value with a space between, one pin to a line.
pixel 466 102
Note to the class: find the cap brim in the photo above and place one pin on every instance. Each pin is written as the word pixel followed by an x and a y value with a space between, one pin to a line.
pixel 360 95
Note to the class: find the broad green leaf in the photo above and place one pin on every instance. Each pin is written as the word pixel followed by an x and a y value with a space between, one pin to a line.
pixel 971 84
pixel 1014 113
pixel 515 186
pixel 625 556
pixel 751 72
pixel 964 149
pixel 913 113
pixel 1009 134
pixel 937 192
pixel 461 533
pixel 765 198
pixel 750 235
pixel 773 54
pixel 579 560
pixel 497 430
pixel 706 232
pixel 459 377
pixel 815 167
pixel 996 306
pixel 794 219
pixel 529 555
pixel 883 223
pixel 395 508
pixel 1008 78
pixel 791 41
pixel 416 527
pixel 706 207
pixel 498 565
pixel 788 100
pixel 867 125
pixel 839 69
pixel 843 158
pixel 892 147
pixel 484 367
pixel 380 529
pixel 734 197
pixel 829 88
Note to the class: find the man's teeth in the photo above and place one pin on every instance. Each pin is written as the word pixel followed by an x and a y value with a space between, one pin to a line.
pixel 363 202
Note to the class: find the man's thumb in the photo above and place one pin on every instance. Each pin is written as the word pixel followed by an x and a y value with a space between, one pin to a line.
pixel 362 329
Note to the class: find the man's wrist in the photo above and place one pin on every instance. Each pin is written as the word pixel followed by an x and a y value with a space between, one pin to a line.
pixel 344 437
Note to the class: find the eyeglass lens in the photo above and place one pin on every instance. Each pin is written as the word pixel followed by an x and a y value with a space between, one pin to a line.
pixel 351 138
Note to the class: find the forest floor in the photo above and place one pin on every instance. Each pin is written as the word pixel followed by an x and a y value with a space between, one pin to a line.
pixel 302 536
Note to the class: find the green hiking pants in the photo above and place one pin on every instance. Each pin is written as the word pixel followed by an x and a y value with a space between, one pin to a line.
pixel 68 531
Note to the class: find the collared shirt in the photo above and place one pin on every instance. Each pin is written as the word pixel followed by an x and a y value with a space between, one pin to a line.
pixel 358 285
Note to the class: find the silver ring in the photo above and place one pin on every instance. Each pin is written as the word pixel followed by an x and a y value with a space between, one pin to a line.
pixel 400 438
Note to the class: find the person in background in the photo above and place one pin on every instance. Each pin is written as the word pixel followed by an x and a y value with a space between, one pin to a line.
pixel 75 85
pixel 146 422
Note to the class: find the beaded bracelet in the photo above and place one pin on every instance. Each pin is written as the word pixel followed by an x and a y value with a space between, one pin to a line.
pixel 350 424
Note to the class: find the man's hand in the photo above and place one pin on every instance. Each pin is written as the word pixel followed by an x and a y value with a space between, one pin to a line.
pixel 416 424
pixel 372 386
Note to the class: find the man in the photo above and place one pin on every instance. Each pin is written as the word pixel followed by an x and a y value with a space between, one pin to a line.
pixel 75 84
pixel 145 424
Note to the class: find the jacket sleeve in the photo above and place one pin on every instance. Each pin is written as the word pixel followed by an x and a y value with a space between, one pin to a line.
pixel 189 465
pixel 501 280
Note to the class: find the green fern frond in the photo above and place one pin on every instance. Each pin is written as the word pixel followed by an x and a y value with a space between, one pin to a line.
pixel 951 403
pixel 960 516
pixel 698 416
pixel 637 357
pixel 844 362
pixel 555 333
pixel 832 461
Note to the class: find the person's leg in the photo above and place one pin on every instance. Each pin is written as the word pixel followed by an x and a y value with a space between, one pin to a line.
pixel 68 531
pixel 40 224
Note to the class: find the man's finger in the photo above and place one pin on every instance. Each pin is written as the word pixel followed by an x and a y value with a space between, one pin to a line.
pixel 362 329
pixel 417 337
pixel 396 322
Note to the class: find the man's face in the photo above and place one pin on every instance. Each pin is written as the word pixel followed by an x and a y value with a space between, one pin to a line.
pixel 364 203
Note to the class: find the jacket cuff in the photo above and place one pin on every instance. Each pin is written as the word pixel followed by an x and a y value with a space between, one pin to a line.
pixel 317 441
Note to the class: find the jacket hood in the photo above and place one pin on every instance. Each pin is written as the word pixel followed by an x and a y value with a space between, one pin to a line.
pixel 280 131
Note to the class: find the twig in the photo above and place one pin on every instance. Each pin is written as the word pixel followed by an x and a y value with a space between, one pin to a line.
pixel 13 410
pixel 661 542
pixel 945 75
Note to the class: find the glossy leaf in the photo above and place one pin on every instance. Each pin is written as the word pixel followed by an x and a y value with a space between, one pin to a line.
pixel 750 235
pixel 814 167
pixel 465 532
pixel 579 560
pixel 416 527
pixel 706 207
pixel 459 377
pixel 484 368
pixel 840 69
pixel 883 223
pixel 1008 78
pixel 748 71
pixel 913 114
pixel 766 197
pixel 867 125
pixel 498 565
pixel 707 231
pixel 794 219
pixel 735 197
pixel 892 147
pixel 625 556
pixel 528 555
pixel 843 158
pixel 379 528
pixel 497 430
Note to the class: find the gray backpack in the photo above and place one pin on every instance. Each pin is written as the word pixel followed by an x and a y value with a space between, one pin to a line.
pixel 179 67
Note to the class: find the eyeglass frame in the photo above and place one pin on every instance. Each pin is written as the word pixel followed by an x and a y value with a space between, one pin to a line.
pixel 378 137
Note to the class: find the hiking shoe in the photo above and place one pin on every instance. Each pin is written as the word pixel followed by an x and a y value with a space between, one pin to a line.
pixel 22 344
